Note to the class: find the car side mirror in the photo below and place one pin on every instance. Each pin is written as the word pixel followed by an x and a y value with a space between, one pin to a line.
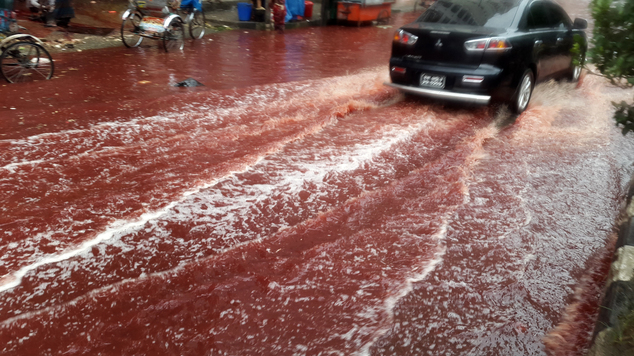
pixel 580 24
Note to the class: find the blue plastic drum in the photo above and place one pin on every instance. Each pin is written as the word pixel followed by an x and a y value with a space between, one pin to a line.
pixel 244 11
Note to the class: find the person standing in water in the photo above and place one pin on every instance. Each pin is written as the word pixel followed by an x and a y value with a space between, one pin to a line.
pixel 278 9
pixel 63 12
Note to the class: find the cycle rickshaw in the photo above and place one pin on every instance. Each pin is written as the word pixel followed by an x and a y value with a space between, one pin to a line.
pixel 162 20
pixel 22 56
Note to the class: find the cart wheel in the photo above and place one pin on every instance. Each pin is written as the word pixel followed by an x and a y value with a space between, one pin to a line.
pixel 174 35
pixel 197 24
pixel 26 62
pixel 130 31
pixel 383 18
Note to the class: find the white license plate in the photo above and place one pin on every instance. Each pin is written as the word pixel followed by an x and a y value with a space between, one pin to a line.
pixel 432 81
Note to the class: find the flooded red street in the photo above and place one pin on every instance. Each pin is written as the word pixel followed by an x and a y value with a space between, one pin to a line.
pixel 295 205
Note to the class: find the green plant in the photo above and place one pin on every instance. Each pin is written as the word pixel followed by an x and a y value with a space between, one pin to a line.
pixel 624 116
pixel 577 56
pixel 613 49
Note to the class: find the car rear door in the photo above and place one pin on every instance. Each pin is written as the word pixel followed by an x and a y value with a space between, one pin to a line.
pixel 562 26
pixel 544 37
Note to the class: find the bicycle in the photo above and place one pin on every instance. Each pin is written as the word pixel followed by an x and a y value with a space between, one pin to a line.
pixel 168 22
pixel 194 17
pixel 23 57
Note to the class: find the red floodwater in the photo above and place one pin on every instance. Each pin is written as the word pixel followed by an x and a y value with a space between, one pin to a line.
pixel 296 206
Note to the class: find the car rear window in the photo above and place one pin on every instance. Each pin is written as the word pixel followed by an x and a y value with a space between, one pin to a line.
pixel 483 13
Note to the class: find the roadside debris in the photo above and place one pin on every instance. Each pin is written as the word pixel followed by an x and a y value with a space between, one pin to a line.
pixel 189 82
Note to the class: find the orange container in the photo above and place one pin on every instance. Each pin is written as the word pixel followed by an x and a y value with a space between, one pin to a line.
pixel 308 9
pixel 354 12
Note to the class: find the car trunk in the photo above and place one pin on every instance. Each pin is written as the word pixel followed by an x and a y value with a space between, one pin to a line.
pixel 443 44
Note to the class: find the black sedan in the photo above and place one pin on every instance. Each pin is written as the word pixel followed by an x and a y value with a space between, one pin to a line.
pixel 480 51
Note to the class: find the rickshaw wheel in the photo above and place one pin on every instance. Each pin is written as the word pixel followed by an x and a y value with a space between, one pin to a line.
pixel 174 36
pixel 130 31
pixel 197 25
pixel 26 62
pixel 383 18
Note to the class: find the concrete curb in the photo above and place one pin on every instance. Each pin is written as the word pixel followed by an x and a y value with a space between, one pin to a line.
pixel 250 25
pixel 618 299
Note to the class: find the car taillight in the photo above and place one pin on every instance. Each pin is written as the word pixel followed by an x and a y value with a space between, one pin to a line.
pixel 489 44
pixel 405 37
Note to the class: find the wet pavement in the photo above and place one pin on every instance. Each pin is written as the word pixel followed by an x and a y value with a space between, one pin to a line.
pixel 296 206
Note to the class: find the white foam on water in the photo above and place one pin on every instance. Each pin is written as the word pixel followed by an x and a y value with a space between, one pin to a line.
pixel 120 226
pixel 351 160
pixel 41 148
pixel 392 301
pixel 15 279
pixel 11 167
pixel 89 141
pixel 471 161
pixel 362 154
pixel 104 131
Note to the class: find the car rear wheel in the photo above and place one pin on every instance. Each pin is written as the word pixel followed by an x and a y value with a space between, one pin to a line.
pixel 523 93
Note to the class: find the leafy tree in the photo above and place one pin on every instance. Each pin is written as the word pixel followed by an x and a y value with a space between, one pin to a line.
pixel 613 50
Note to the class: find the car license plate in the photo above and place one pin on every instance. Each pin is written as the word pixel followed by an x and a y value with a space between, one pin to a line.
pixel 432 81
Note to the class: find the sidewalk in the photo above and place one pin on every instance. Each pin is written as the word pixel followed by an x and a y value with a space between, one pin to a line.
pixel 614 329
